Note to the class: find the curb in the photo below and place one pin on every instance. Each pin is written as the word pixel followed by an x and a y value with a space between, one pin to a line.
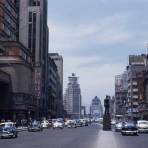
pixel 22 129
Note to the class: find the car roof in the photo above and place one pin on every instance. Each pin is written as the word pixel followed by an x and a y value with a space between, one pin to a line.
pixel 3 123
pixel 142 121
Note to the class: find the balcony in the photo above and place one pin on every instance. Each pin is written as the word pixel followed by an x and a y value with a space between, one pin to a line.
pixel 135 96
pixel 135 90
pixel 135 103
pixel 134 83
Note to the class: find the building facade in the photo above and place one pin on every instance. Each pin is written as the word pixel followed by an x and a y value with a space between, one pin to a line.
pixel 15 60
pixel 72 97
pixel 23 58
pixel 121 90
pixel 34 36
pixel 52 88
pixel 58 60
pixel 96 109
pixel 135 71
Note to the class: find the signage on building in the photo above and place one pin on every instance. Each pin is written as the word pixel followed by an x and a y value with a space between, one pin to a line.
pixel 37 81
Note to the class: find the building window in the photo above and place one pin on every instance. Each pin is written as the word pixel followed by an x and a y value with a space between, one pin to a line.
pixel 38 3
pixel 34 36
pixel 30 37
pixel 30 16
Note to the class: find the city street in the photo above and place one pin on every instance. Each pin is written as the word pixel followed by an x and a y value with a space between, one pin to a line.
pixel 83 137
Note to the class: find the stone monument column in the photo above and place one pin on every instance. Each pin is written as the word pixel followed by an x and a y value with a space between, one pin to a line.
pixel 106 116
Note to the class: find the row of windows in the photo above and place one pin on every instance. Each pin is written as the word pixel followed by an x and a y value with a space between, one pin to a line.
pixel 32 34
pixel 9 33
pixel 10 21
pixel 11 10
pixel 34 2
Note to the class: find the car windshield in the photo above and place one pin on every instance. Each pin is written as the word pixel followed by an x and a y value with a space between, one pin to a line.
pixel 7 125
pixel 129 125
pixel 143 122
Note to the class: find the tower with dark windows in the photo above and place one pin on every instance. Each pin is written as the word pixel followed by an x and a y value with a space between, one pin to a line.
pixel 35 37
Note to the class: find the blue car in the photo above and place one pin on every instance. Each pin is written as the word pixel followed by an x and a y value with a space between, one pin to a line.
pixel 8 131
pixel 129 129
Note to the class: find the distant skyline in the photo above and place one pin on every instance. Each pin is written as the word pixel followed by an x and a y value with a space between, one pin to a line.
pixel 95 38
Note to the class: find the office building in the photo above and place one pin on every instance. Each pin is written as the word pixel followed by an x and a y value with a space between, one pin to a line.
pixel 72 97
pixel 17 101
pixel 96 109
pixel 135 77
pixel 34 36
pixel 121 89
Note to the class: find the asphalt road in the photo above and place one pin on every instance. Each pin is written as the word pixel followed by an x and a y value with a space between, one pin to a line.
pixel 83 137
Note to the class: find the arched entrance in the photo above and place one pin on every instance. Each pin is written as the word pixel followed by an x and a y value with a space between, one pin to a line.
pixel 5 96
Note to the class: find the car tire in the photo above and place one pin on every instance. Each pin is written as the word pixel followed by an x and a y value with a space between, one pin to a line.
pixel 123 134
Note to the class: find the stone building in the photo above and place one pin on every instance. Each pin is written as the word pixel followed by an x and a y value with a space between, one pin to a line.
pixel 23 58
pixel 34 35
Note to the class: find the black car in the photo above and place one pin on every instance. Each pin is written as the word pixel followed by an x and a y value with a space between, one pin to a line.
pixel 129 129
pixel 8 132
pixel 35 126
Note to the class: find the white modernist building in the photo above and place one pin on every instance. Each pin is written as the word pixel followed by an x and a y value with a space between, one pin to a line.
pixel 72 97
pixel 96 109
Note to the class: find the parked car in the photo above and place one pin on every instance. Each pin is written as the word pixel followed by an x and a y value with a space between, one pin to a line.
pixel 129 129
pixel 142 126
pixel 72 124
pixel 84 122
pixel 45 124
pixel 8 130
pixel 58 124
pixel 118 127
pixel 79 123
pixel 35 126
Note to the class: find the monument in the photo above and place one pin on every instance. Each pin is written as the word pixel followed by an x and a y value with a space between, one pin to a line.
pixel 106 116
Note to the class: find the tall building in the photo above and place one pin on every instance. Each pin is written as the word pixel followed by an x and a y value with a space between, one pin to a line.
pixel 144 102
pixel 96 109
pixel 135 77
pixel 58 60
pixel 17 100
pixel 34 35
pixel 121 89
pixel 52 88
pixel 72 97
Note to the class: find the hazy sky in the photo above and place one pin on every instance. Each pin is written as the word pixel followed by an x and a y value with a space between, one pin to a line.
pixel 95 38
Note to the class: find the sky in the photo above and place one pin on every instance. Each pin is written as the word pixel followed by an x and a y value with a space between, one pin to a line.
pixel 95 38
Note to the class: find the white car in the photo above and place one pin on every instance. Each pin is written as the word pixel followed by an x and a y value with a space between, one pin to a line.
pixel 118 127
pixel 45 124
pixel 142 126
pixel 71 124
pixel 58 124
